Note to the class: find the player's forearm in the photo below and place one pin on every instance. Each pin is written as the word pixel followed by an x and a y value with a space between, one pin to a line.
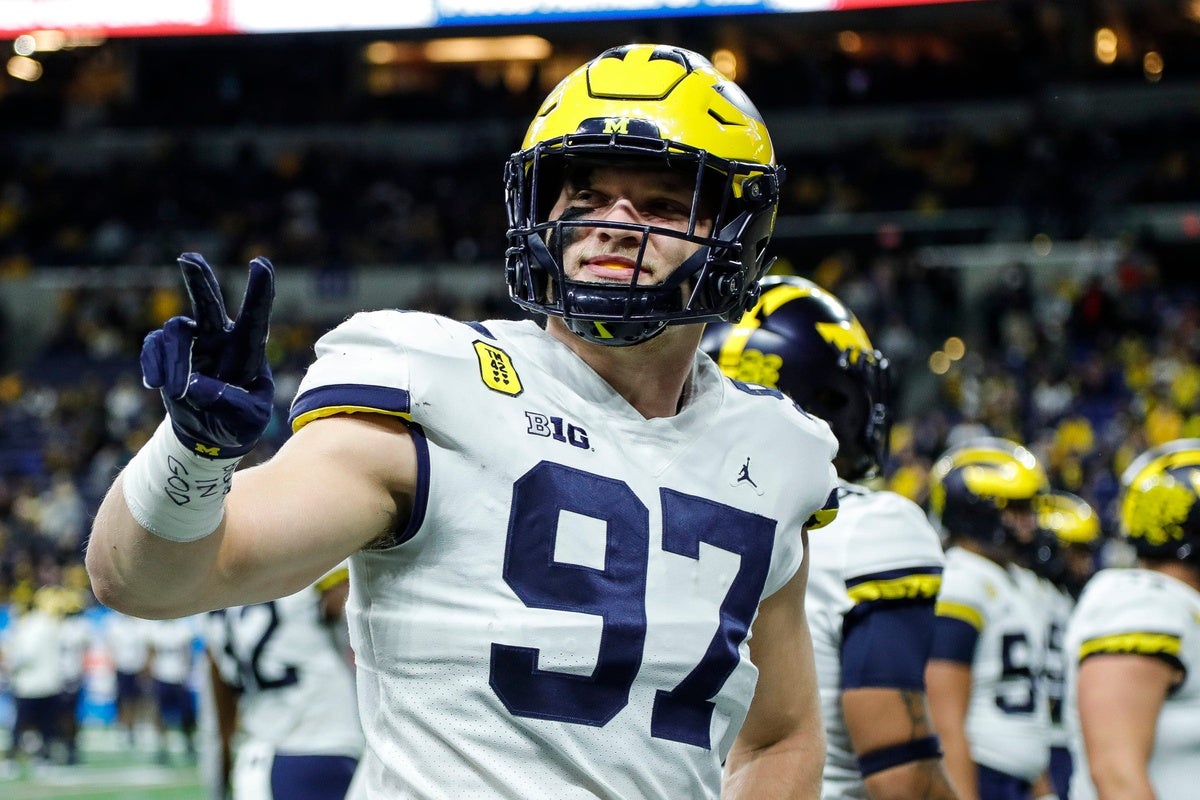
pixel 141 574
pixel 959 765
pixel 787 770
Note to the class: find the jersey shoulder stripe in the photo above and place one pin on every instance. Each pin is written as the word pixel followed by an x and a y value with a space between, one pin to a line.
pixel 348 398
pixel 1143 643
pixel 922 583
pixel 962 612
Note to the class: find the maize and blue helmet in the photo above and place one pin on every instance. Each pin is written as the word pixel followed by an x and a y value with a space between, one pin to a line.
pixel 659 106
pixel 805 342
pixel 973 484
pixel 1069 538
pixel 1160 502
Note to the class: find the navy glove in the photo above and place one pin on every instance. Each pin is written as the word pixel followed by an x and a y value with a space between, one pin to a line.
pixel 212 372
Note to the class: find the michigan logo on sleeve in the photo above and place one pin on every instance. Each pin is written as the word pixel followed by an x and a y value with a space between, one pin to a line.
pixel 497 370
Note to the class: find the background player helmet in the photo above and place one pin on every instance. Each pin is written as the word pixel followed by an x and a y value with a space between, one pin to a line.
pixel 1160 502
pixel 1067 525
pixel 657 105
pixel 802 340
pixel 972 484
pixel 1070 518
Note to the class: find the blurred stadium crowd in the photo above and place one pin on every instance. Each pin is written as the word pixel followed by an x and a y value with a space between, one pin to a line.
pixel 1088 369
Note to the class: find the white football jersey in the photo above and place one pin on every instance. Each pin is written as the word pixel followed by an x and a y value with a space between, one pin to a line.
pixel 126 642
pixel 1142 611
pixel 75 636
pixel 297 687
pixel 880 547
pixel 31 655
pixel 1008 718
pixel 1059 605
pixel 566 614
pixel 173 644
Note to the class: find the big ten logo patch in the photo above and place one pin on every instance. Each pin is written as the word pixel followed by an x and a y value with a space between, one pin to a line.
pixel 556 428
pixel 496 370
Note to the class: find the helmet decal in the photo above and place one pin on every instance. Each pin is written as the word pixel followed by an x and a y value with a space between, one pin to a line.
pixel 1160 503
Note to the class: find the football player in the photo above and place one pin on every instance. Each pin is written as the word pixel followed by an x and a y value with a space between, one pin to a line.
pixel 281 678
pixel 876 569
pixel 984 672
pixel 125 640
pixel 1133 699
pixel 172 653
pixel 1065 561
pixel 554 566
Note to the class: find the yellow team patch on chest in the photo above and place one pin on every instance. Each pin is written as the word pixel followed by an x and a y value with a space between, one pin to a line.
pixel 496 370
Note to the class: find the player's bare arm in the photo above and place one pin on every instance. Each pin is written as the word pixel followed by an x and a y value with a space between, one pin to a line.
pixel 780 751
pixel 949 689
pixel 1120 697
pixel 337 485
pixel 879 719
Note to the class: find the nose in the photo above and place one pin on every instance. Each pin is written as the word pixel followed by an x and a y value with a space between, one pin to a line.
pixel 622 210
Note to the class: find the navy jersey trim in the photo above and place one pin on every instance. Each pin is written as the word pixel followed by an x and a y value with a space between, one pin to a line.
pixel 886 645
pixel 347 398
pixel 421 496
pixel 479 327
pixel 954 640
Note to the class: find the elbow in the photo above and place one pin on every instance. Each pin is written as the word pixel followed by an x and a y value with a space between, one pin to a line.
pixel 114 592
pixel 105 584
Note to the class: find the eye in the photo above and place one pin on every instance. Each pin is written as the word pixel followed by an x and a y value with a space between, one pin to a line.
pixel 586 198
pixel 668 208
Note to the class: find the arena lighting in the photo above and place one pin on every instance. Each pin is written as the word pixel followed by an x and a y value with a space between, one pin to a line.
pixel 849 42
pixel 939 362
pixel 726 63
pixel 474 49
pixel 25 45
pixel 1152 66
pixel 954 348
pixel 51 41
pixel 1106 46
pixel 381 53
pixel 24 68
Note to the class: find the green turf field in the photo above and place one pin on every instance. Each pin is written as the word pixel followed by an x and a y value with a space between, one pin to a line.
pixel 108 770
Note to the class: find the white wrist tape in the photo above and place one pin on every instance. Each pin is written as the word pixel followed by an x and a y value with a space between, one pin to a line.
pixel 174 493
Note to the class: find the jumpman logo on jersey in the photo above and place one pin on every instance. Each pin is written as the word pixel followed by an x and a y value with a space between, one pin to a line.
pixel 744 475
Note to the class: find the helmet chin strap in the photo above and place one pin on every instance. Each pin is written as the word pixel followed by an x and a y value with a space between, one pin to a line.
pixel 614 334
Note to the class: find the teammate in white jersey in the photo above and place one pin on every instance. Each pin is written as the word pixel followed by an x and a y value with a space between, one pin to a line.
pixel 125 640
pixel 173 645
pixel 876 569
pixel 560 538
pixel 1065 560
pixel 1133 692
pixel 983 675
pixel 281 679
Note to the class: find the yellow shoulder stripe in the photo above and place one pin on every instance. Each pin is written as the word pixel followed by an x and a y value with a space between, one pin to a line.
pixel 332 411
pixel 907 587
pixel 960 611
pixel 339 575
pixel 1140 643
